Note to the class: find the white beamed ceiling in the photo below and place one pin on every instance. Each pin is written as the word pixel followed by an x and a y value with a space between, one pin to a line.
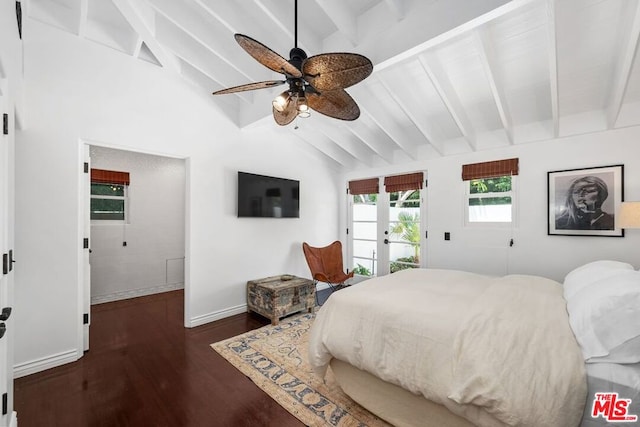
pixel 449 76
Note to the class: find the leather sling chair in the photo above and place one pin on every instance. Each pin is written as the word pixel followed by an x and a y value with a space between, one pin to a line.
pixel 326 266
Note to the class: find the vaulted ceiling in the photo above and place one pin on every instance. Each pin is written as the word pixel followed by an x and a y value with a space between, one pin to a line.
pixel 449 76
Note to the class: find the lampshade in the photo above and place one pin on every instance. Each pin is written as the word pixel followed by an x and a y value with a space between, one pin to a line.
pixel 302 107
pixel 281 101
pixel 629 216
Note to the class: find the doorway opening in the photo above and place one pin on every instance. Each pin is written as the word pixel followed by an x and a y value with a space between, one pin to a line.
pixel 135 225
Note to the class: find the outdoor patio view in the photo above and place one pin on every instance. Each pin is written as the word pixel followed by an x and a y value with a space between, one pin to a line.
pixel 403 232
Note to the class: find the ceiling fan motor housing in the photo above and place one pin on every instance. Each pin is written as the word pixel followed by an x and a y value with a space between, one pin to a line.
pixel 296 57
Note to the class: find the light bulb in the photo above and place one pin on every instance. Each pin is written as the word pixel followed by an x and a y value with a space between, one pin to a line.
pixel 302 107
pixel 281 101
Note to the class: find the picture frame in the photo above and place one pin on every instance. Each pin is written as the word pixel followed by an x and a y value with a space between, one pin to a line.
pixel 585 202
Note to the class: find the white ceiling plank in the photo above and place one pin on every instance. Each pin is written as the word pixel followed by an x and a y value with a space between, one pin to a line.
pixel 137 46
pixel 449 97
pixel 307 134
pixel 344 139
pixel 553 68
pixel 196 56
pixel 428 24
pixel 192 24
pixel 83 11
pixel 627 56
pixel 408 111
pixel 378 115
pixel 231 15
pixel 272 9
pixel 131 12
pixel 342 17
pixel 488 60
pixel 397 8
pixel 379 145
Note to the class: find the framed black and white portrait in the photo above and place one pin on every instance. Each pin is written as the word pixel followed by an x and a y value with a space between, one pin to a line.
pixel 585 202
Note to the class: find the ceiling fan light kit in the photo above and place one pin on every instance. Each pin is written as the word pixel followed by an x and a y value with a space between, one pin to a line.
pixel 315 83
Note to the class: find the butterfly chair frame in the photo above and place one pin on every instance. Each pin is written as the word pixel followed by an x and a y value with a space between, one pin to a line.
pixel 326 265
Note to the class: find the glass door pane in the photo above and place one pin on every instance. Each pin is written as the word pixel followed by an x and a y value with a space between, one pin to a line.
pixel 365 234
pixel 404 230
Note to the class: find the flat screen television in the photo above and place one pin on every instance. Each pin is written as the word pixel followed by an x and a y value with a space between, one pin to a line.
pixel 267 196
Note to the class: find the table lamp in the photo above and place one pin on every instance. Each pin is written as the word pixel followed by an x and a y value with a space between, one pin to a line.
pixel 629 216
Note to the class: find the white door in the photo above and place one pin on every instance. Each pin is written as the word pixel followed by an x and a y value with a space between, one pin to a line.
pixel 387 232
pixel 86 245
pixel 7 131
pixel 403 233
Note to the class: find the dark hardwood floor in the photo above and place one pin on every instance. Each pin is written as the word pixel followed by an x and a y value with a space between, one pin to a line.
pixel 145 369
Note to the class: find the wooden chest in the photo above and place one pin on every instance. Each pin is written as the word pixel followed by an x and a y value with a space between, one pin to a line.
pixel 278 296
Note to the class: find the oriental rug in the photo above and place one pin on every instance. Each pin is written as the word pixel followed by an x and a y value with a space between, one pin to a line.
pixel 275 359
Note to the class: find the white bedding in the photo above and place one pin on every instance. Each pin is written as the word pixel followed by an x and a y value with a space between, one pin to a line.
pixel 449 336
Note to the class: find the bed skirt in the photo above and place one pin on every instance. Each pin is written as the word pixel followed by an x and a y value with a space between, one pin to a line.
pixel 390 402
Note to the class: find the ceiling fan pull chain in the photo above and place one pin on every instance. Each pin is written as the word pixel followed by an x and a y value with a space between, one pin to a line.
pixel 295 26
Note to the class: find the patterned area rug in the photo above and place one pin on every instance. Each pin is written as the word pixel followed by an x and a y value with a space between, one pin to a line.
pixel 275 359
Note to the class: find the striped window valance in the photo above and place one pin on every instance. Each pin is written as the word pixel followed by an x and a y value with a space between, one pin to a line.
pixel 490 169
pixel 411 181
pixel 364 186
pixel 103 176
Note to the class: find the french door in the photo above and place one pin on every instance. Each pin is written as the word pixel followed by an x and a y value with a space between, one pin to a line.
pixel 386 230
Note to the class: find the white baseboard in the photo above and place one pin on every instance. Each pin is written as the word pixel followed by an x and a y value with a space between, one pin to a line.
pixel 216 315
pixel 33 366
pixel 14 420
pixel 231 311
pixel 99 299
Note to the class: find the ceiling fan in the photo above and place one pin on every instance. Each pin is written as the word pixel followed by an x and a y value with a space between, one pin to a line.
pixel 315 82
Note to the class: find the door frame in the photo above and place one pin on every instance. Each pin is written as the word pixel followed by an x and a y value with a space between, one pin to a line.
pixel 84 222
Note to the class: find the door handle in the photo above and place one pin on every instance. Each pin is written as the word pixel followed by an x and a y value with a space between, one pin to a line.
pixel 3 329
pixel 386 241
pixel 6 312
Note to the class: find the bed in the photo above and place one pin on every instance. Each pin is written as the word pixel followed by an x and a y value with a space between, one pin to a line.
pixel 449 348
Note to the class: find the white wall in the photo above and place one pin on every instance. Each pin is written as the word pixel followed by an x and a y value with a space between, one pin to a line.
pixel 153 259
pixel 487 250
pixel 79 91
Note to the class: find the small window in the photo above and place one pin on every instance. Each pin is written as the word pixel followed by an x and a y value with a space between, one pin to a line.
pixel 490 200
pixel 108 201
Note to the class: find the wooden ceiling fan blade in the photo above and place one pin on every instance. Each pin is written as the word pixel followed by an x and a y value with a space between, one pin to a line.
pixel 250 86
pixel 331 71
pixel 335 103
pixel 266 56
pixel 286 116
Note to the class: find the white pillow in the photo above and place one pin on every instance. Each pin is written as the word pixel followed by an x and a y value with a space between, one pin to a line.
pixel 605 318
pixel 589 273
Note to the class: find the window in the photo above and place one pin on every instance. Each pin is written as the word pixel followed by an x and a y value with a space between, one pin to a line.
pixel 108 202
pixel 109 195
pixel 490 200
pixel 489 189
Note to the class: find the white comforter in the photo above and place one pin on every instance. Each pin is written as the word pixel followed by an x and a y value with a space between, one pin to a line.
pixel 497 351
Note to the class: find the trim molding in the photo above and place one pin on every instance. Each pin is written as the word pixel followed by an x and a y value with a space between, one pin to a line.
pixel 38 365
pixel 14 419
pixel 216 315
pixel 116 296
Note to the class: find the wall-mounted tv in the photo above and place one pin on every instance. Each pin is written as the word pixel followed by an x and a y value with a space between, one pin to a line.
pixel 267 196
